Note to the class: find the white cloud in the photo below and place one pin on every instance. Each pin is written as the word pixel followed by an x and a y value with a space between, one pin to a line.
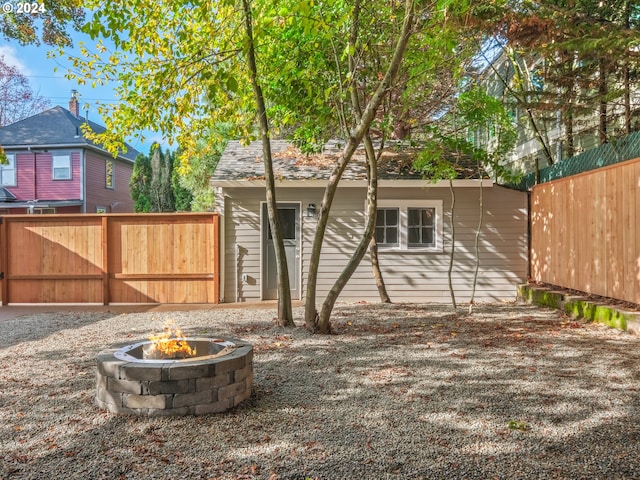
pixel 10 55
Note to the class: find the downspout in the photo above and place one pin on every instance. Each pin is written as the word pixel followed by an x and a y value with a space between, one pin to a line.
pixel 35 177
pixel 83 183
pixel 237 269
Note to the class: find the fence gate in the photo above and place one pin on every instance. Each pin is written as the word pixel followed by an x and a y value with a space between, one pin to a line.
pixel 111 258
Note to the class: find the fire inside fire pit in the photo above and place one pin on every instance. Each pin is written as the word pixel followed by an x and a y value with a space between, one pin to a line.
pixel 179 376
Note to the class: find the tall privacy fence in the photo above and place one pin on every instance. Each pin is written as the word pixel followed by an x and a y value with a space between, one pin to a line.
pixel 617 150
pixel 585 229
pixel 103 259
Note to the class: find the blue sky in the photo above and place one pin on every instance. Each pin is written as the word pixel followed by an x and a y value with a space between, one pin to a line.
pixel 32 61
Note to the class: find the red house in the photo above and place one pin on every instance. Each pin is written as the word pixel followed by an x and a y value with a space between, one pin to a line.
pixel 52 168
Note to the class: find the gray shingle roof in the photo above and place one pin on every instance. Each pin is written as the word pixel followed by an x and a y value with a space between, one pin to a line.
pixel 56 126
pixel 6 195
pixel 244 163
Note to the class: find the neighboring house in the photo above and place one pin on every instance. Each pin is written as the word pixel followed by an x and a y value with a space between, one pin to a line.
pixel 414 228
pixel 53 169
pixel 563 131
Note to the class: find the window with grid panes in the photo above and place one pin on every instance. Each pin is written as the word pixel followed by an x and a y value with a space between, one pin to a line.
pixel 387 226
pixel 421 227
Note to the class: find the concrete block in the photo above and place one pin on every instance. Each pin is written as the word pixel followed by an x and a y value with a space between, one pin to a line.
pixel 140 371
pixel 148 401
pixel 171 386
pixel 196 398
pixel 190 370
pixel 124 386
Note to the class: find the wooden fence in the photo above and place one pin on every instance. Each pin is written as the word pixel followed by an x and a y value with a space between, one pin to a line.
pixel 585 232
pixel 113 258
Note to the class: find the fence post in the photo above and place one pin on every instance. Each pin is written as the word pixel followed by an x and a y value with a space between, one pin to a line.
pixel 216 257
pixel 105 260
pixel 4 263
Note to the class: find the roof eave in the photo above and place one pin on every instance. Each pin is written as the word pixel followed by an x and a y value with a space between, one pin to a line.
pixel 387 183
pixel 86 145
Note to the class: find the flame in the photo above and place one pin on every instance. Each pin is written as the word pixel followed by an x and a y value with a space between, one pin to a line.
pixel 171 342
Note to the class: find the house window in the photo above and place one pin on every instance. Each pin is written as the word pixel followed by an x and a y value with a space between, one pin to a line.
pixel 110 177
pixel 387 227
pixel 421 227
pixel 101 209
pixel 409 225
pixel 61 167
pixel 43 211
pixel 8 172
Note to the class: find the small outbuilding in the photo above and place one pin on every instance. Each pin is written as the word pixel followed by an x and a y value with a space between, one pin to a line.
pixel 414 228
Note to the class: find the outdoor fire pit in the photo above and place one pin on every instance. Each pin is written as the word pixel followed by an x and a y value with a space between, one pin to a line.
pixel 195 376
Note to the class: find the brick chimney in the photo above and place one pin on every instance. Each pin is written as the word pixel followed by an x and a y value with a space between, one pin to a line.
pixel 74 106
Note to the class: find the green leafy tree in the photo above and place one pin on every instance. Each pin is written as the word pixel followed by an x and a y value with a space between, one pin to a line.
pixel 140 184
pixel 151 183
pixel 194 174
pixel 182 195
pixel 161 191
pixel 587 53
pixel 45 22
pixel 306 69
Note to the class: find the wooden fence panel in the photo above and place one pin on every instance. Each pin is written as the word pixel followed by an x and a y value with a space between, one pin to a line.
pixel 585 232
pixel 53 262
pixel 155 258
pixel 165 259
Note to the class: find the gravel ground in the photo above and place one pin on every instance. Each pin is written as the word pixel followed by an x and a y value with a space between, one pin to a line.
pixel 398 392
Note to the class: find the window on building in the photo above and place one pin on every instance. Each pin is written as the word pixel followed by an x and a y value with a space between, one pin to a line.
pixel 421 227
pixel 387 227
pixel 61 167
pixel 101 209
pixel 8 172
pixel 43 211
pixel 110 176
pixel 409 225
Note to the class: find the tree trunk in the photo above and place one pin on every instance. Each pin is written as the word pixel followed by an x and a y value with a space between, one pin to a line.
pixel 377 273
pixel 627 99
pixel 324 324
pixel 568 134
pixel 368 115
pixel 324 321
pixel 477 248
pixel 602 92
pixel 568 109
pixel 627 75
pixel 453 246
pixel 285 313
pixel 523 99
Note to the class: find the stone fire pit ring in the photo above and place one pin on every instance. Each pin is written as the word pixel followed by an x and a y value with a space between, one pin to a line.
pixel 218 379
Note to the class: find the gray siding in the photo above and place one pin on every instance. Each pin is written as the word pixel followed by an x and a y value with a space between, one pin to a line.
pixel 410 276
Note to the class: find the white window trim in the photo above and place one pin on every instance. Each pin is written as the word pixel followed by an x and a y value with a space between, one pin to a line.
pixel 403 240
pixel 11 158
pixel 53 167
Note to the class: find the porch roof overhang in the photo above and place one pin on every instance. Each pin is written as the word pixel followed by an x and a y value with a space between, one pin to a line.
pixel 384 183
